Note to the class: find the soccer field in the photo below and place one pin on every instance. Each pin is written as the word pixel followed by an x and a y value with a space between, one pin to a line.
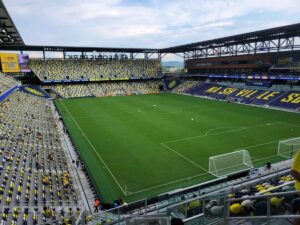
pixel 140 146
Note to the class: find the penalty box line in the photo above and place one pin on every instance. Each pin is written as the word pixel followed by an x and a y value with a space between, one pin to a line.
pixel 166 184
pixel 164 144
pixel 94 149
pixel 206 134
pixel 258 145
pixel 223 132
pixel 185 158
pixel 269 157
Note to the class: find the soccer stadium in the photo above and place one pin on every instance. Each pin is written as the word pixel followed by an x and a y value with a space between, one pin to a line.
pixel 111 135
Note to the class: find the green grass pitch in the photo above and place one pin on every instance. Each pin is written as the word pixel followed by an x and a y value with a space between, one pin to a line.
pixel 140 146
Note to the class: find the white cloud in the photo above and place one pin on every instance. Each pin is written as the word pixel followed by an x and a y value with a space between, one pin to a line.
pixel 156 23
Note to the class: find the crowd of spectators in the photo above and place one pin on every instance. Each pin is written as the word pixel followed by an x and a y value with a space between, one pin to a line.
pixel 86 69
pixel 105 88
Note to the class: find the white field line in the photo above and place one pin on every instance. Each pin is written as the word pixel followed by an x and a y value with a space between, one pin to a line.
pixel 223 132
pixel 94 149
pixel 252 146
pixel 260 159
pixel 266 143
pixel 290 124
pixel 217 128
pixel 129 193
pixel 247 147
pixel 262 144
pixel 252 158
pixel 185 158
pixel 166 184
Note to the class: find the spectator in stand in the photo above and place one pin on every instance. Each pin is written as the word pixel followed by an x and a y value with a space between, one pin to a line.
pixel 296 174
pixel 97 205
pixel 236 209
pixel 296 170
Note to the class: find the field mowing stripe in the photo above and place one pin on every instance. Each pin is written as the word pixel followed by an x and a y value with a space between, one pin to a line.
pixel 223 132
pixel 94 149
pixel 166 184
pixel 185 158
pixel 139 110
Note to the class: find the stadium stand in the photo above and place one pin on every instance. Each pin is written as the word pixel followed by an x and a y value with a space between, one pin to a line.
pixel 83 69
pixel 36 184
pixel 248 95
pixel 6 83
pixel 105 89
pixel 34 90
pixel 290 66
pixel 69 91
pixel 186 85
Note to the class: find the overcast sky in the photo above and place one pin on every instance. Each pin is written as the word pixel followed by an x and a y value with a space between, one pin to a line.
pixel 144 23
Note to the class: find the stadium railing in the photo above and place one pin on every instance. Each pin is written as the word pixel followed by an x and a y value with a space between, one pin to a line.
pixel 206 216
pixel 180 202
pixel 270 215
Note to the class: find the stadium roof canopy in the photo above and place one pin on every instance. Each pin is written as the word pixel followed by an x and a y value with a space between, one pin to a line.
pixel 9 35
pixel 274 39
pixel 78 49
pixel 278 33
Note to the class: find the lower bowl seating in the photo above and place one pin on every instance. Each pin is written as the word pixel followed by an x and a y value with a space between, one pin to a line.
pixel 35 182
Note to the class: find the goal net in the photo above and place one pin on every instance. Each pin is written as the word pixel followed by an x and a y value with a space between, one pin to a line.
pixel 230 163
pixel 288 148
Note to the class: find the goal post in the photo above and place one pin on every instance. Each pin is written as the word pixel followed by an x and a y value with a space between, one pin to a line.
pixel 230 163
pixel 288 148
